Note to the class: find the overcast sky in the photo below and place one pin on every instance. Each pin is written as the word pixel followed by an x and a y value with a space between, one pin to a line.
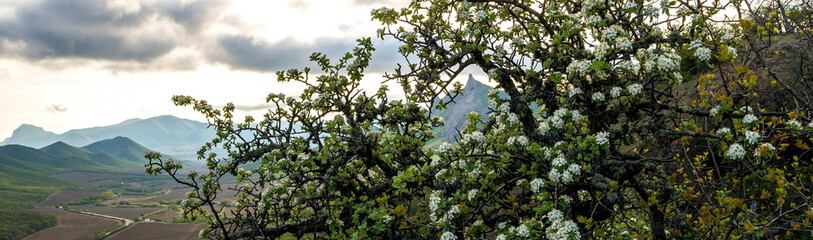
pixel 67 64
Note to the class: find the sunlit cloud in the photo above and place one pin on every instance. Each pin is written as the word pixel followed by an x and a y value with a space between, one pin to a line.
pixel 56 108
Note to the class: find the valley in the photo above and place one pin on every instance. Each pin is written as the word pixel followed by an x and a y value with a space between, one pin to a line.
pixel 116 206
pixel 60 191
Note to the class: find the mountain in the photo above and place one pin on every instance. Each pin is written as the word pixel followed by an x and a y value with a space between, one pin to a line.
pixel 473 98
pixel 31 134
pixel 166 134
pixel 122 147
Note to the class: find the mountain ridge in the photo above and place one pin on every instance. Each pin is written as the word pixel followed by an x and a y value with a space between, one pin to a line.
pixel 166 133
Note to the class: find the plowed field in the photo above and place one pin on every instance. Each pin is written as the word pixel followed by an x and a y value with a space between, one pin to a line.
pixel 156 230
pixel 71 225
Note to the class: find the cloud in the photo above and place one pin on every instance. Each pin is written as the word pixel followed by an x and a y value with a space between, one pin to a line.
pixel 249 53
pixel 56 108
pixel 249 108
pixel 102 30
pixel 144 35
pixel 391 3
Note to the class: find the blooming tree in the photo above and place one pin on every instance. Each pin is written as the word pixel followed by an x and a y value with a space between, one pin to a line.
pixel 623 118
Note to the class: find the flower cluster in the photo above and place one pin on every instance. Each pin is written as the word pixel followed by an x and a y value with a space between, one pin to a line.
pixel 749 118
pixel 564 175
pixel 722 131
pixel 578 67
pixel 668 62
pixel 474 137
pixel 735 151
pixel 623 43
pixel 559 227
pixel 434 200
pixel 521 140
pixel 445 147
pixel 598 97
pixel 631 65
pixel 602 138
pixel 630 5
pixel 448 236
pixel 793 124
pixel 615 92
pixel 634 89
pixel 715 111
pixel 544 127
pixel 751 137
pixel 700 52
pixel 574 92
pixel 537 185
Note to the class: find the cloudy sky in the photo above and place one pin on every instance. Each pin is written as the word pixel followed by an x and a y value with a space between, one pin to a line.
pixel 67 64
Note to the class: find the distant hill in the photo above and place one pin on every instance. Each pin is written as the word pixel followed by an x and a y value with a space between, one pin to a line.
pixel 122 147
pixel 166 134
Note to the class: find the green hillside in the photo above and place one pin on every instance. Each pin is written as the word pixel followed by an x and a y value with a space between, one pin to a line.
pixel 60 164
pixel 122 147
pixel 65 150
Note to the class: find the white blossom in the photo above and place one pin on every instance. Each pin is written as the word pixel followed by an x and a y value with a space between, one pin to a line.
pixel 615 92
pixel 537 185
pixel 523 231
pixel 435 161
pixel 635 88
pixel 668 62
pixel 445 147
pixel 473 194
pixel 598 97
pixel 631 65
pixel 749 118
pixel 793 124
pixel 559 161
pixel 735 151
pixel 715 111
pixel 722 131
pixel 574 92
pixel 575 115
pixel 520 140
pixel 602 138
pixel 434 200
pixel 448 236
pixel 544 127
pixel 702 53
pixel 751 137
pixel 578 67
pixel 593 20
pixel 623 43
pixel 474 137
